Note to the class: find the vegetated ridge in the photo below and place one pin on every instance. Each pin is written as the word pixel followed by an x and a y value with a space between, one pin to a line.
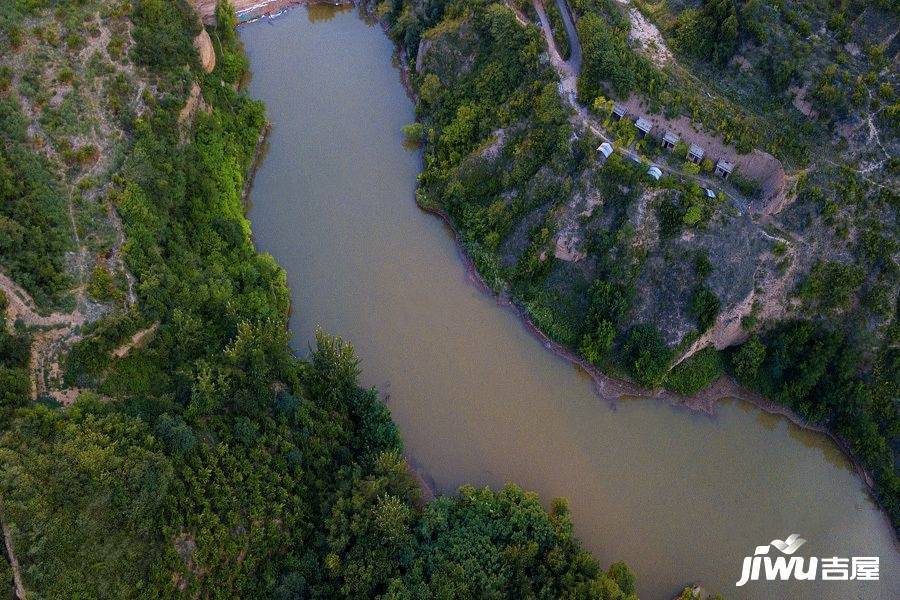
pixel 742 232
pixel 157 436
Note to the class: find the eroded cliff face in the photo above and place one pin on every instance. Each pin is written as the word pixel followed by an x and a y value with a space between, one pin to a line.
pixel 205 50
pixel 207 8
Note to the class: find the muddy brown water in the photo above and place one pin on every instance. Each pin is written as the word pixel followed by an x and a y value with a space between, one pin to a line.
pixel 680 496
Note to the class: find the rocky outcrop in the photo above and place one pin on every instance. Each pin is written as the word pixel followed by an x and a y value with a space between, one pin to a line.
pixel 424 47
pixel 448 51
pixel 206 9
pixel 194 102
pixel 205 50
pixel 740 258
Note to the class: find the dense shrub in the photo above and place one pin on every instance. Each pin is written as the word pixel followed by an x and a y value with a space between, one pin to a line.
pixel 34 229
pixel 646 355
pixel 705 308
pixel 814 371
pixel 695 373
pixel 709 33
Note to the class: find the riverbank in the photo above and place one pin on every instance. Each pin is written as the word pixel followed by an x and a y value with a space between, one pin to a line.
pixel 248 11
pixel 613 389
pixel 258 155
pixel 475 399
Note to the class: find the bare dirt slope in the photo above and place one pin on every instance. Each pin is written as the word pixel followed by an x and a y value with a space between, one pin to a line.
pixel 52 334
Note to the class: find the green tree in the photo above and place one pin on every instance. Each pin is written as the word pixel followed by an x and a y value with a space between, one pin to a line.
pixel 596 345
pixel 705 308
pixel 748 359
pixel 624 578
pixel 414 133
pixel 695 373
pixel 646 354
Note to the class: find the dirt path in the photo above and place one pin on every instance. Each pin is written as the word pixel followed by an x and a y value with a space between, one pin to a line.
pixel 22 307
pixel 568 73
pixel 51 333
pixel 568 85
pixel 138 340
pixel 574 61
pixel 13 561
pixel 115 258
pixel 568 89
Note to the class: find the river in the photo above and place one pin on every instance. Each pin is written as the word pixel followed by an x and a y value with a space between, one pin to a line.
pixel 680 496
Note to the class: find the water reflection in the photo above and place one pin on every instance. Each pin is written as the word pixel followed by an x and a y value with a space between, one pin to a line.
pixel 325 11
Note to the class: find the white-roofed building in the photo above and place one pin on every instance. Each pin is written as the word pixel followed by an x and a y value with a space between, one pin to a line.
pixel 724 168
pixel 670 139
pixel 643 125
pixel 695 154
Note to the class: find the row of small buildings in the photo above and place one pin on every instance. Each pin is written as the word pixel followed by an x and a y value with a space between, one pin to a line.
pixel 606 149
pixel 654 172
pixel 695 154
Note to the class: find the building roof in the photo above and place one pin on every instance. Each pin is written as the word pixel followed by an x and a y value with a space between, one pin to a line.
pixel 725 165
pixel 618 109
pixel 696 151
pixel 643 124
pixel 606 149
pixel 670 137
pixel 654 172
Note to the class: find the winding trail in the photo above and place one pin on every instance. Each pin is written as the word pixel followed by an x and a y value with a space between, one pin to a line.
pixel 13 561
pixel 20 306
pixel 116 258
pixel 725 331
pixel 50 333
pixel 574 61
